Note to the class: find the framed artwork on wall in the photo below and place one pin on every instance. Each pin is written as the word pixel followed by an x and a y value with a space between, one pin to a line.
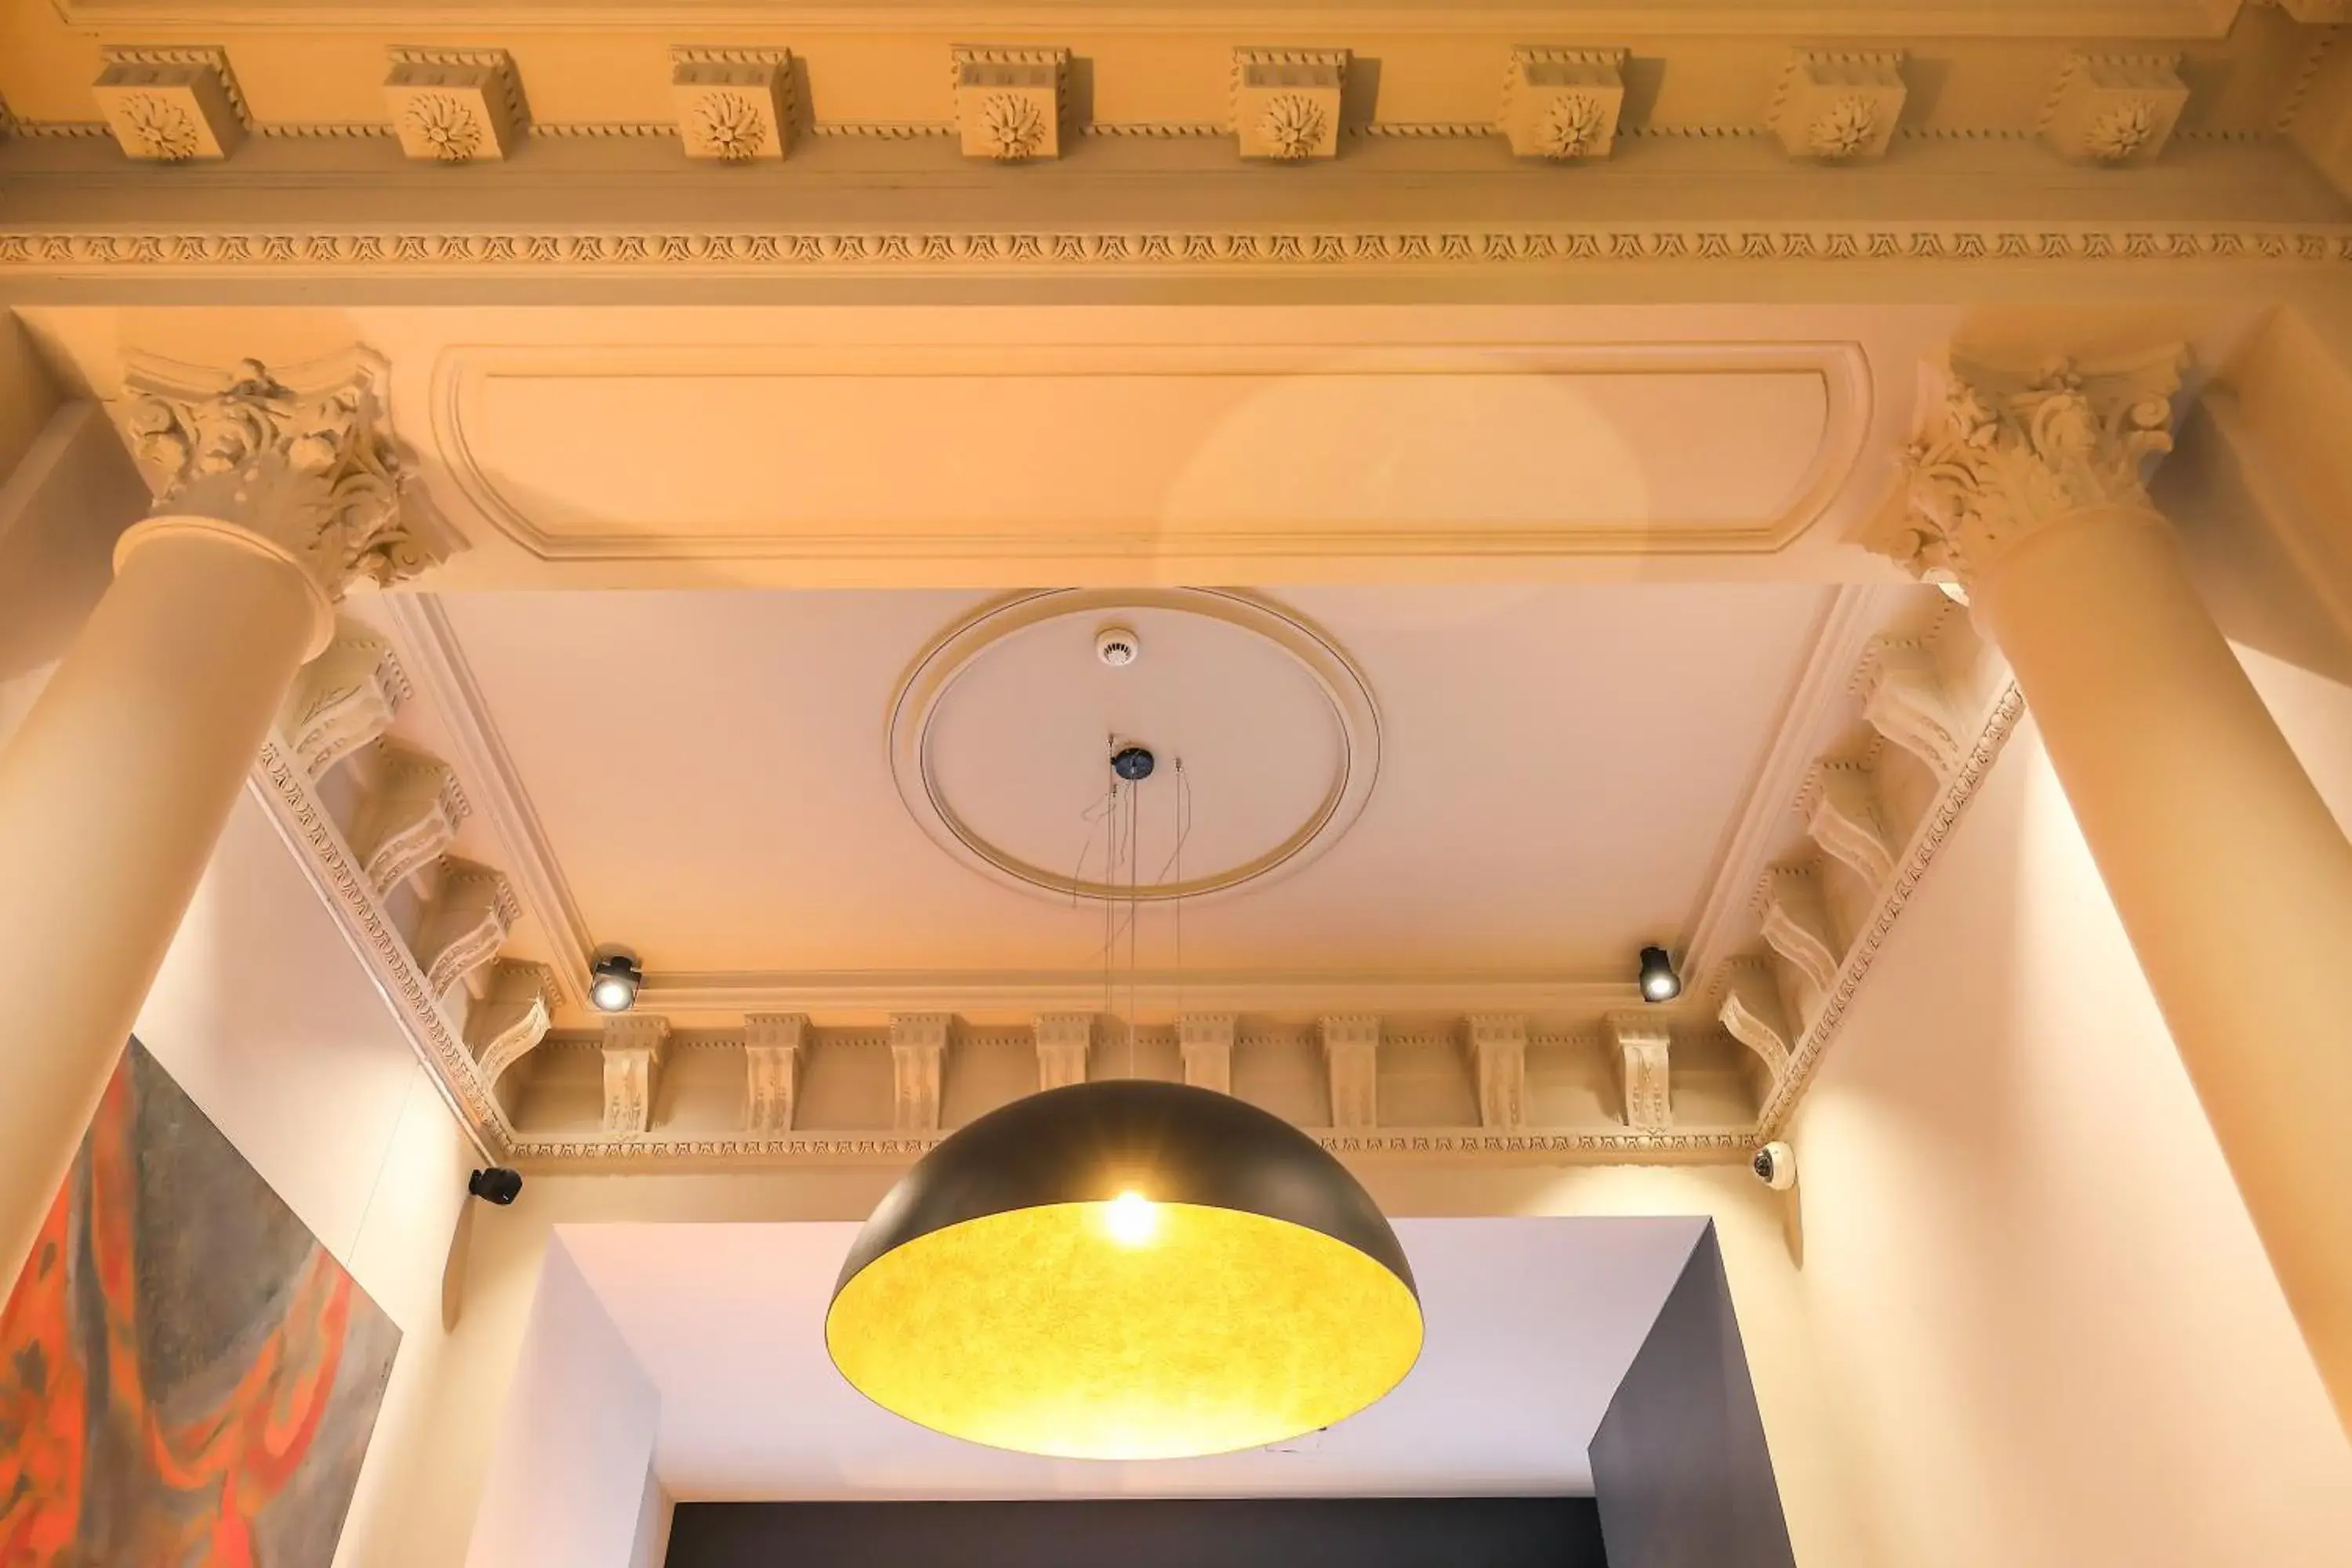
pixel 186 1375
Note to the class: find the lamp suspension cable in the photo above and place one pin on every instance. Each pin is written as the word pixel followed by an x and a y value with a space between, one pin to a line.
pixel 1127 1268
pixel 1134 852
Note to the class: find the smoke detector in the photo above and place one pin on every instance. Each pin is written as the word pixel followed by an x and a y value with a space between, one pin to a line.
pixel 1117 646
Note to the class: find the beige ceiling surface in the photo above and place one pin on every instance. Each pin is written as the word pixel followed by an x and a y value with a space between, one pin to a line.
pixel 1560 768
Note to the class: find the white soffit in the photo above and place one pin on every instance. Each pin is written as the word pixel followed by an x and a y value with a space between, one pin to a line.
pixel 1532 1324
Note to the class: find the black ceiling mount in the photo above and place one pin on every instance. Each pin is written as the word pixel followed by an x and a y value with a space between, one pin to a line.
pixel 1133 763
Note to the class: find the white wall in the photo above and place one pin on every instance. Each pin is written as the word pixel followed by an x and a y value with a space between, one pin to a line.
pixel 271 1025
pixel 2045 1329
pixel 568 1483
pixel 653 1517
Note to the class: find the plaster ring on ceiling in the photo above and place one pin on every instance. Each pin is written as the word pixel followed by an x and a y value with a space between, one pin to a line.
pixel 928 686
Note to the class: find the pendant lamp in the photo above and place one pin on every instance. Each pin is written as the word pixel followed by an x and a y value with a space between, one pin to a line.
pixel 1126 1270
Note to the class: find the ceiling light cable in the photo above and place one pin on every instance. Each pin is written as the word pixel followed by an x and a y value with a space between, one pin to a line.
pixel 1183 831
pixel 1134 818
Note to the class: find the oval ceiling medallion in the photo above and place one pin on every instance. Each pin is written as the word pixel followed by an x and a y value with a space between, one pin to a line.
pixel 1266 740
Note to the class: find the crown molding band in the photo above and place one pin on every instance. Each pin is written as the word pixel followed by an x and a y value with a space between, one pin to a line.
pixel 1715 1146
pixel 1647 18
pixel 453 250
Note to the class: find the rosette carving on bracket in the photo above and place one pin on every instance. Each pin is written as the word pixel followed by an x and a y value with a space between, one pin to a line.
pixel 316 471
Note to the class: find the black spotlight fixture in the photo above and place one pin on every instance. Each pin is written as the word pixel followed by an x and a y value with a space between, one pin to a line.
pixel 496 1186
pixel 613 981
pixel 1659 981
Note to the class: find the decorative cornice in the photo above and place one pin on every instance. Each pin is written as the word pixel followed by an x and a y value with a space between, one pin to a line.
pixel 428 647
pixel 1720 1146
pixel 1804 1058
pixel 734 105
pixel 423 251
pixel 1824 18
pixel 367 924
pixel 2000 456
pixel 194 57
pixel 1816 708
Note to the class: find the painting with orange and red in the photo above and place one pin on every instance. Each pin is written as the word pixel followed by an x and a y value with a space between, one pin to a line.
pixel 186 1375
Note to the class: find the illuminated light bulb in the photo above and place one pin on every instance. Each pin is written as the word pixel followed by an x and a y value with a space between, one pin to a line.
pixel 1659 981
pixel 613 983
pixel 1132 1219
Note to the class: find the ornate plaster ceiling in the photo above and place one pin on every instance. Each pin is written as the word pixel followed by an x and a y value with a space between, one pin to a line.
pixel 573 141
pixel 1681 706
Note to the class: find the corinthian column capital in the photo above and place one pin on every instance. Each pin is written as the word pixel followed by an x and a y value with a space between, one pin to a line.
pixel 2000 456
pixel 310 469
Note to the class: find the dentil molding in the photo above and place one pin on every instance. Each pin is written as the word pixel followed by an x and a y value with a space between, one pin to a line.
pixel 596 250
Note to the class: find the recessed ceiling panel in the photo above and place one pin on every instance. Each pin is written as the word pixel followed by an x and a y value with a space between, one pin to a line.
pixel 1559 770
pixel 718 452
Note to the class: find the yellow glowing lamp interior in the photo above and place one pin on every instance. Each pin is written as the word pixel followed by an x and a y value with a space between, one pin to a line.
pixel 1124 1330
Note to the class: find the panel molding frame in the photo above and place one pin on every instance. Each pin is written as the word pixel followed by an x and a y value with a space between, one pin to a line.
pixel 1830 477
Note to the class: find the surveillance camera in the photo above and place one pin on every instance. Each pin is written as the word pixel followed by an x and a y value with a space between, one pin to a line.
pixel 1775 1165
pixel 496 1186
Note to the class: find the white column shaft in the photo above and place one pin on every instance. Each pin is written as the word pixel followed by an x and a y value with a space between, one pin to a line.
pixel 2232 879
pixel 111 796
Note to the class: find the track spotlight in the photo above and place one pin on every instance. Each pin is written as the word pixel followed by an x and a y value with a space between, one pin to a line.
pixel 613 983
pixel 1659 981
pixel 496 1186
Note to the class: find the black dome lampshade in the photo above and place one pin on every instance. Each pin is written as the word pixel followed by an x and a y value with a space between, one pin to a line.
pixel 1126 1270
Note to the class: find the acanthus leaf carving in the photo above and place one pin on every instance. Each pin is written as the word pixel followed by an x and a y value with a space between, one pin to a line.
pixel 1998 456
pixel 772 1047
pixel 315 472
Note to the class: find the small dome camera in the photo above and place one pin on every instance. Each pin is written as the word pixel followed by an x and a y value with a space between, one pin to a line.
pixel 1775 1165
pixel 496 1186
